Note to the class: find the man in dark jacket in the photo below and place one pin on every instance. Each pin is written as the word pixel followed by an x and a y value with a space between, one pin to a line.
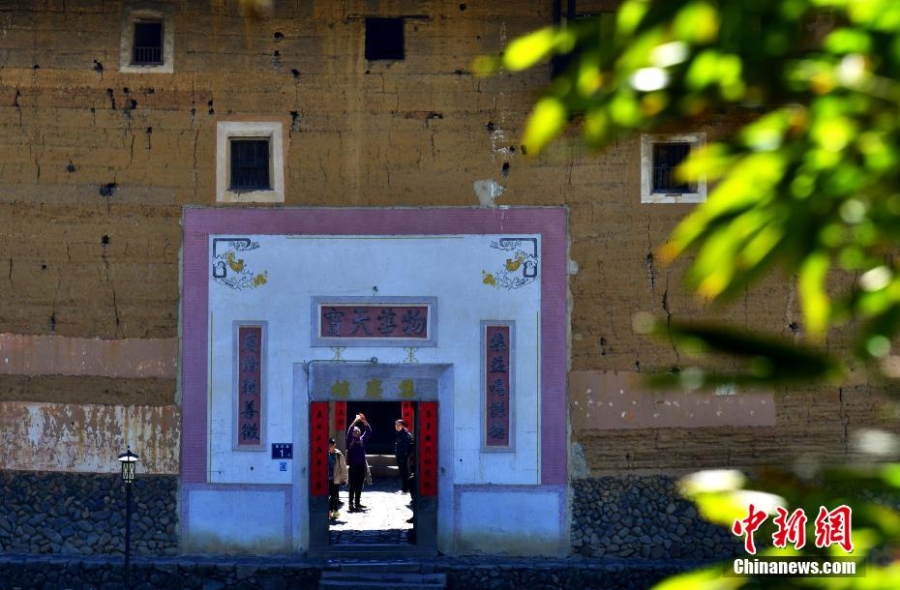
pixel 401 451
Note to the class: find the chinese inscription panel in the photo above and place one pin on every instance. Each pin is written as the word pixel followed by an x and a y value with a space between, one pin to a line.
pixel 249 394
pixel 497 385
pixel 374 321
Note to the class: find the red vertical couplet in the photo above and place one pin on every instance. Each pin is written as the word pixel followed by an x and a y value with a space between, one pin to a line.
pixel 427 442
pixel 318 449
pixel 340 421
pixel 497 386
pixel 408 414
pixel 249 406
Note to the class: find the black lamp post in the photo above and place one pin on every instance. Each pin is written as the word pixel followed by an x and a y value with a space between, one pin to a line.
pixel 129 467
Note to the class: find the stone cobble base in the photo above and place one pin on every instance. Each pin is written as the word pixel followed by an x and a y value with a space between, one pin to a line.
pixel 35 572
pixel 644 517
pixel 84 514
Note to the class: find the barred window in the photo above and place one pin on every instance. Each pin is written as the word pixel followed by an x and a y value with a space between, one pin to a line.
pixel 661 155
pixel 250 162
pixel 666 159
pixel 250 165
pixel 148 43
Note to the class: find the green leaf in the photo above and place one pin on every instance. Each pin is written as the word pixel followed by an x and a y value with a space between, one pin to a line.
pixel 707 578
pixel 697 23
pixel 891 474
pixel 756 358
pixel 524 52
pixel 547 118
pixel 815 302
pixel 844 40
pixel 630 15
pixel 703 70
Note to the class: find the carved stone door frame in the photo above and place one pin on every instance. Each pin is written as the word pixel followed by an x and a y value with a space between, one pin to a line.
pixel 343 381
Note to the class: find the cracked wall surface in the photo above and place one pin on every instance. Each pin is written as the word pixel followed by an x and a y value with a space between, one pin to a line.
pixel 96 167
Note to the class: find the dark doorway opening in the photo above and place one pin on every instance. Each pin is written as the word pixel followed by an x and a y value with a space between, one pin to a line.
pixel 389 514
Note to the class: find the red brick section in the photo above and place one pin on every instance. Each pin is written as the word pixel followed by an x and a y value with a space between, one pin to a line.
pixel 195 306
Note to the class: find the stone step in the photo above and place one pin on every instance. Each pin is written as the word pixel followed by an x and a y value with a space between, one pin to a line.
pixel 381 460
pixel 385 471
pixel 383 466
pixel 382 579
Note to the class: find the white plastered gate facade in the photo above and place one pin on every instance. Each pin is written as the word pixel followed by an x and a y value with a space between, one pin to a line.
pixel 268 273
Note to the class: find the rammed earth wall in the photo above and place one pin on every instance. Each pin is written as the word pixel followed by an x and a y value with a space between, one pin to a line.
pixel 97 167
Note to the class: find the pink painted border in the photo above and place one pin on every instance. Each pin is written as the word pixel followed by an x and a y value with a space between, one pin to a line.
pixel 199 223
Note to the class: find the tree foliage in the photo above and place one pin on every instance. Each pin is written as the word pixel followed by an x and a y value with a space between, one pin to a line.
pixel 810 186
pixel 870 491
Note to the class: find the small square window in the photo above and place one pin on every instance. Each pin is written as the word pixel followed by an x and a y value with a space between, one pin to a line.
pixel 384 39
pixel 661 155
pixel 148 43
pixel 249 162
pixel 249 165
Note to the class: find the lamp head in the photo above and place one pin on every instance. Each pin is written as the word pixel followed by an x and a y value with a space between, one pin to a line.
pixel 129 464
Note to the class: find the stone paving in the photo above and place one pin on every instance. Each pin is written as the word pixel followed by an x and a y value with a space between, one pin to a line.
pixel 383 521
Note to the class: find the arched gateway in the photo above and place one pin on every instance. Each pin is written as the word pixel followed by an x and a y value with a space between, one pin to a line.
pixel 291 314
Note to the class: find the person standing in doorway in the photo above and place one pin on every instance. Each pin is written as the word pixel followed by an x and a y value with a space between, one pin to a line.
pixel 337 476
pixel 356 458
pixel 402 446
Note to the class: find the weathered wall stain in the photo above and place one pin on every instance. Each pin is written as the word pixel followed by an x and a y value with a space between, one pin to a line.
pixel 58 355
pixel 92 208
pixel 613 401
pixel 88 438
pixel 88 389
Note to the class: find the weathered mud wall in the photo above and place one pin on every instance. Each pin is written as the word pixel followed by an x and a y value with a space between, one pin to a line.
pixel 97 166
